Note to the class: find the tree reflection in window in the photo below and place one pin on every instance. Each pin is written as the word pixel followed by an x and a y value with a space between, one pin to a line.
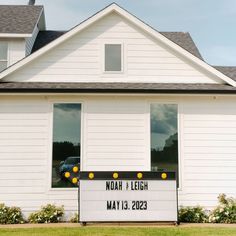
pixel 66 141
pixel 164 137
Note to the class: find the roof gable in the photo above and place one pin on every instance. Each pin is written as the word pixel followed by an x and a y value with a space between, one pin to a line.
pixel 135 21
pixel 19 19
pixel 183 39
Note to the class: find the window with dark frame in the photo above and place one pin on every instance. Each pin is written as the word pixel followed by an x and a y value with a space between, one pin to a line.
pixel 164 137
pixel 66 142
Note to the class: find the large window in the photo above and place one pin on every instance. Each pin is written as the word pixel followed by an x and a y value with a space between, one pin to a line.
pixel 113 61
pixel 3 55
pixel 66 141
pixel 164 137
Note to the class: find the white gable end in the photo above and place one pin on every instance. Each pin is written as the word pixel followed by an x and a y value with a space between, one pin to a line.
pixel 80 58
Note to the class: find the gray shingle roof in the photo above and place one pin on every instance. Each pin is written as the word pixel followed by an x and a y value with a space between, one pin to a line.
pixel 182 39
pixel 46 37
pixel 18 19
pixel 230 71
pixel 180 88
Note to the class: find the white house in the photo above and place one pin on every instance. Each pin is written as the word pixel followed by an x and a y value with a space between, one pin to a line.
pixel 116 95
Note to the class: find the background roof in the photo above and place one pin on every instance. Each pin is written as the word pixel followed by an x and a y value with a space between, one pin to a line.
pixel 18 19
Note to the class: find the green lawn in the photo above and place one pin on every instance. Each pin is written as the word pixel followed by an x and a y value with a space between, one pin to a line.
pixel 121 231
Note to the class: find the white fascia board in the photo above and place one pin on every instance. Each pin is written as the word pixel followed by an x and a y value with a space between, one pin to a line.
pixel 3 35
pixel 114 7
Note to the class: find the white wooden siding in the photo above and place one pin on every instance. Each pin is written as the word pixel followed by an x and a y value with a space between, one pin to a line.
pixel 29 42
pixel 24 158
pixel 16 50
pixel 80 58
pixel 116 135
pixel 209 151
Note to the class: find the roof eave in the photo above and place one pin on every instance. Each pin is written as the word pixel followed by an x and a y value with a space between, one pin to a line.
pixel 14 35
pixel 111 91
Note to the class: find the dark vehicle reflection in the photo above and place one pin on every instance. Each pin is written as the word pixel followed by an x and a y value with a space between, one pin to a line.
pixel 67 165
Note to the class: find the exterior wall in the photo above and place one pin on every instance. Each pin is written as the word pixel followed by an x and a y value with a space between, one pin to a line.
pixel 112 129
pixel 80 58
pixel 16 50
pixel 25 162
pixel 208 151
pixel 29 42
pixel 116 136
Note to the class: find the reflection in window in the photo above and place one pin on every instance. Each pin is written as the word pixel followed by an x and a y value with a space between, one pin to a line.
pixel 112 57
pixel 164 137
pixel 66 141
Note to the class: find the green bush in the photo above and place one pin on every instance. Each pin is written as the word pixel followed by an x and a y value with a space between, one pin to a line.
pixel 74 218
pixel 225 212
pixel 193 215
pixel 47 214
pixel 10 215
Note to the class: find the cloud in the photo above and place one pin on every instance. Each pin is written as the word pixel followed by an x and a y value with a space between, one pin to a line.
pixel 163 119
pixel 67 122
pixel 68 106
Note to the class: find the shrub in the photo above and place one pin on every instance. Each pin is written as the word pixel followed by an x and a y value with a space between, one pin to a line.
pixel 193 215
pixel 10 215
pixel 225 212
pixel 74 218
pixel 47 214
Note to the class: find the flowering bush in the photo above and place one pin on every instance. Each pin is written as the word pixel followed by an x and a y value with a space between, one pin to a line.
pixel 48 214
pixel 10 215
pixel 193 215
pixel 225 212
pixel 74 218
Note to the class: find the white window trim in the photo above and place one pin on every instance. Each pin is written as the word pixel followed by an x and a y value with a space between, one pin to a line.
pixel 113 73
pixel 179 125
pixel 50 142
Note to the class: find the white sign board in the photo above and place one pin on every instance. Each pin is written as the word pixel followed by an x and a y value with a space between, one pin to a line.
pixel 109 200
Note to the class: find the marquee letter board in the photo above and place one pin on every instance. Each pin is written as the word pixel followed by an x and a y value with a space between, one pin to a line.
pixel 127 196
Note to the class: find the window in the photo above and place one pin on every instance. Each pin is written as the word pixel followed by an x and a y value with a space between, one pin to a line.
pixel 113 61
pixel 164 137
pixel 66 141
pixel 3 55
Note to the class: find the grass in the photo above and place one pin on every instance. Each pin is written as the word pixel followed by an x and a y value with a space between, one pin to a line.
pixel 120 231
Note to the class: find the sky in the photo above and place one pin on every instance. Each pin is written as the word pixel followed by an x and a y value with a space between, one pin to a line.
pixel 211 23
pixel 66 123
pixel 163 124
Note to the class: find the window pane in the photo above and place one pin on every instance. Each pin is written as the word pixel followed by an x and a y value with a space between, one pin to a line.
pixel 164 137
pixel 112 57
pixel 66 141
pixel 3 50
pixel 3 65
